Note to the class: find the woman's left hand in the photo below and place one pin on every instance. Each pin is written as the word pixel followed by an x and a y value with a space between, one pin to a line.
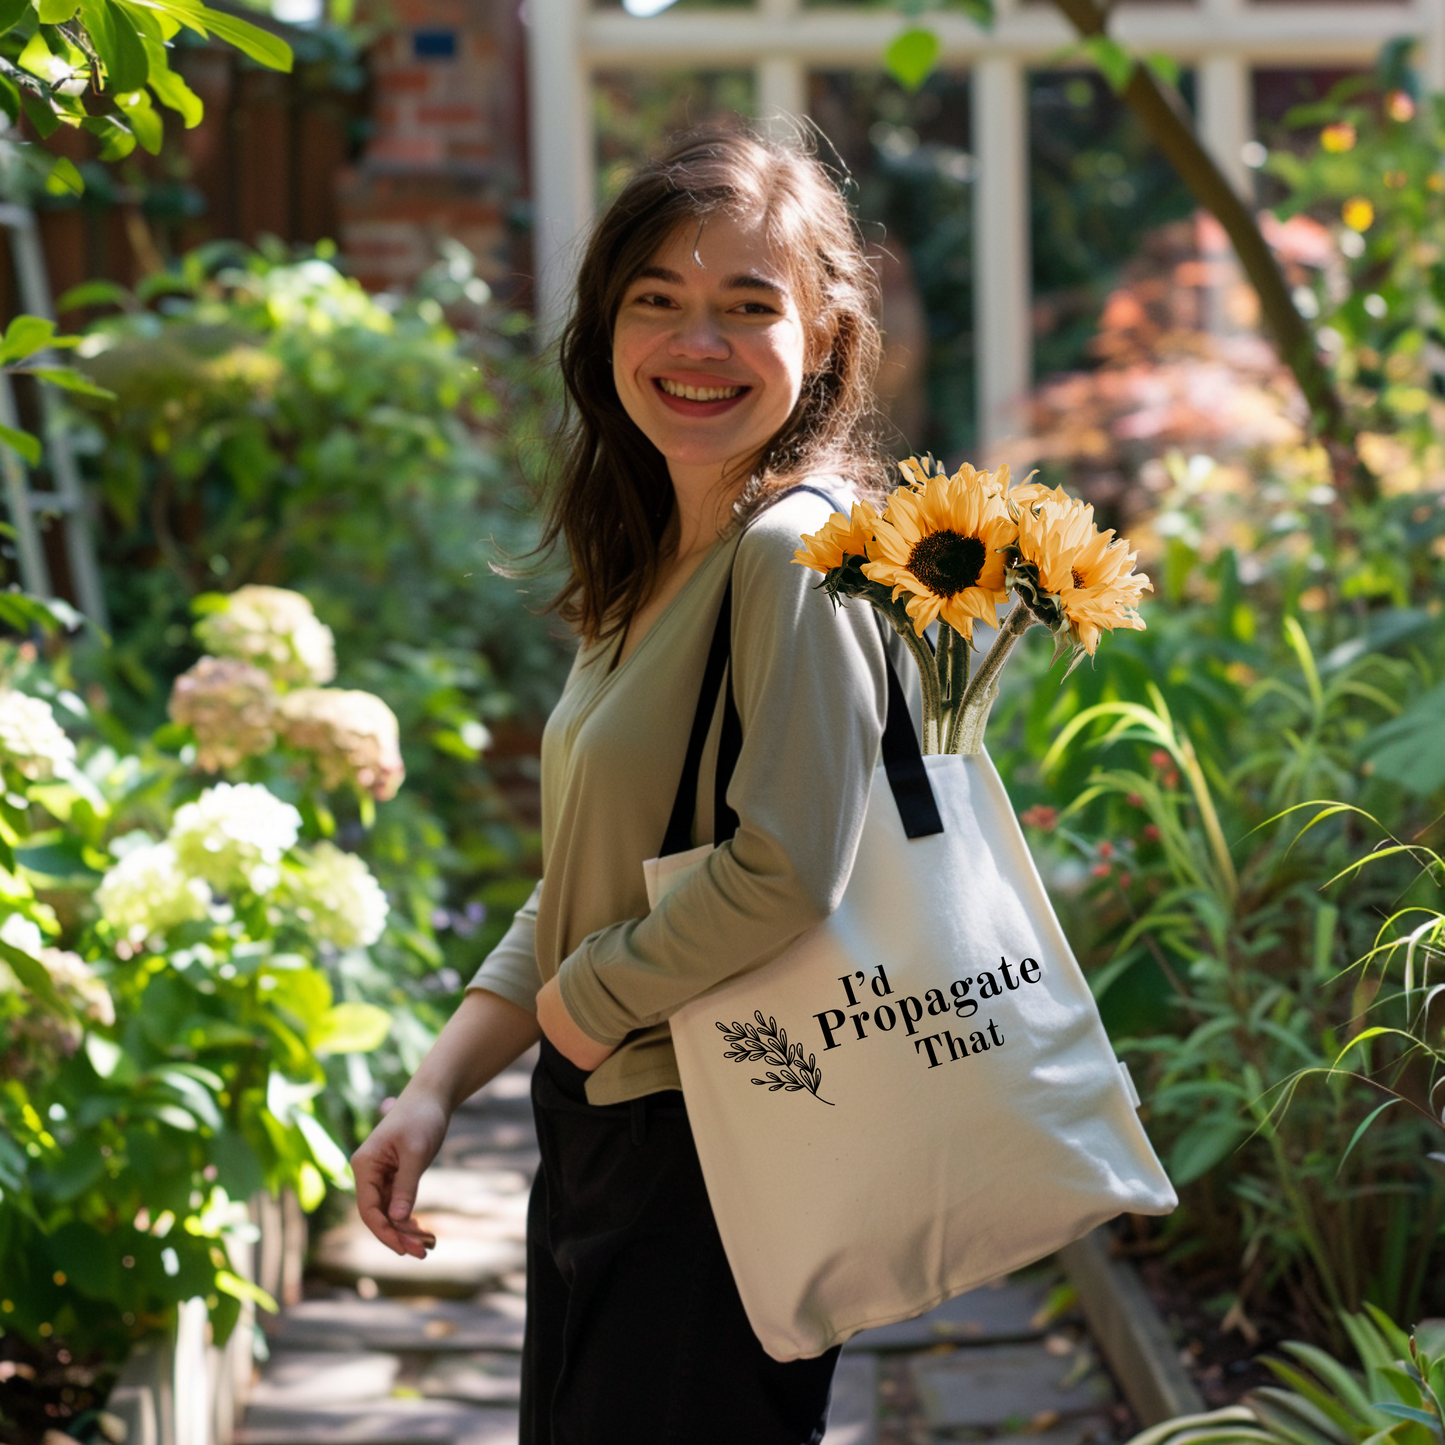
pixel 562 1031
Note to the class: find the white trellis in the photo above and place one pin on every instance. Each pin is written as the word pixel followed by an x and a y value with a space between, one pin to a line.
pixel 781 42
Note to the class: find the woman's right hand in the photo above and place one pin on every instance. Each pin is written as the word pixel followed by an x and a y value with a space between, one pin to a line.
pixel 389 1166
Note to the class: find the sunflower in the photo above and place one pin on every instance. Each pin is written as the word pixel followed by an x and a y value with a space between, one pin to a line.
pixel 939 545
pixel 839 539
pixel 1088 573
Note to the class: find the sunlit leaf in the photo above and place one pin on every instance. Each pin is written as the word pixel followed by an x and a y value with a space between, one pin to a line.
pixel 350 1028
pixel 910 57
pixel 63 179
pixel 24 337
pixel 68 379
pixel 1115 63
pixel 263 47
pixel 21 441
pixel 34 976
pixel 118 42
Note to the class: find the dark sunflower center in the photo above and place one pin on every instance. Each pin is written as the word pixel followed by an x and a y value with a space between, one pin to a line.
pixel 1078 581
pixel 946 563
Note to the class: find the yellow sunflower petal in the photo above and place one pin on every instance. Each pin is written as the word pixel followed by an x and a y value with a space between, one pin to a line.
pixel 838 539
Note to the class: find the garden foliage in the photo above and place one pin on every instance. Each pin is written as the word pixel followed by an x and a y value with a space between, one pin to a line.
pixel 1209 788
pixel 171 992
pixel 276 425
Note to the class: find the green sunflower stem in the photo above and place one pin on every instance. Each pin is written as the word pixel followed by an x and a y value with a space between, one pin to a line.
pixel 965 736
pixel 953 664
pixel 902 623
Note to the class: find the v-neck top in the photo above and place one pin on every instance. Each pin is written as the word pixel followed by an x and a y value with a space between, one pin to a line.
pixel 810 685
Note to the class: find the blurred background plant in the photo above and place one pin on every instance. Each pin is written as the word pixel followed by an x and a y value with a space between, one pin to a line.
pixel 277 426
pixel 1294 653
pixel 179 1022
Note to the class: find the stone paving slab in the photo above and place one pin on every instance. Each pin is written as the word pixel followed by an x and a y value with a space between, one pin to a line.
pixel 1083 1430
pixel 494 1322
pixel 481 1193
pixel 299 1378
pixel 484 1379
pixel 391 1422
pixel 853 1409
pixel 992 1314
pixel 466 1258
pixel 1005 1385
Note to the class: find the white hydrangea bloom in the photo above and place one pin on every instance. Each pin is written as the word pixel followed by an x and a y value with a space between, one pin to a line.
pixel 234 835
pixel 352 737
pixel 77 981
pixel 275 629
pixel 30 737
pixel 335 897
pixel 22 933
pixel 148 892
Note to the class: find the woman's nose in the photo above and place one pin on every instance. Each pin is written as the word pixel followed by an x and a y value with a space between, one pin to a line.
pixel 699 335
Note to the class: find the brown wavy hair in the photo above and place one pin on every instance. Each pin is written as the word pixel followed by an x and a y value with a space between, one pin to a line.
pixel 612 498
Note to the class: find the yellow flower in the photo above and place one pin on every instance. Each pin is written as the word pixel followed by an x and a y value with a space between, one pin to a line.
pixel 1089 572
pixel 1338 138
pixel 840 538
pixel 939 544
pixel 1358 214
pixel 917 470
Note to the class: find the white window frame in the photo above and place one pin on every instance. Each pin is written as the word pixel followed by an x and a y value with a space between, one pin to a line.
pixel 781 42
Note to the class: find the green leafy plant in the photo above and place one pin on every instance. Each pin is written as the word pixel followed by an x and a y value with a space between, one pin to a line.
pixel 101 66
pixel 172 1011
pixel 1398 1398
pixel 276 425
pixel 1374 171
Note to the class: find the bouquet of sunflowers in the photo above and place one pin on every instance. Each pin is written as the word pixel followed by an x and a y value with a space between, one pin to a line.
pixel 950 549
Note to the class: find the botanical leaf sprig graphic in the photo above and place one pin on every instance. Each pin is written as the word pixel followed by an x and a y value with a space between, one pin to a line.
pixel 765 1043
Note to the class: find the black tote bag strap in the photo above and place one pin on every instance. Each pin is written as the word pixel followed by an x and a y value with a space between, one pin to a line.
pixel 902 757
pixel 678 838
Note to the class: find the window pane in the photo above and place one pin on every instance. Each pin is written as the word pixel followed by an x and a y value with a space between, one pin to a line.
pixel 638 112
pixel 908 155
pixel 1097 187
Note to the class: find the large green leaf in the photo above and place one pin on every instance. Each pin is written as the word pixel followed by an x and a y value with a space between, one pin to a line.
pixel 69 379
pixel 1201 1146
pixel 118 43
pixel 33 975
pixel 11 14
pixel 1410 749
pixel 263 47
pixel 144 119
pixel 21 441
pixel 24 337
pixel 170 89
pixel 350 1028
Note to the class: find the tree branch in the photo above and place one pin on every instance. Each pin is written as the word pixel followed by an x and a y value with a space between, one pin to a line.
pixel 1166 120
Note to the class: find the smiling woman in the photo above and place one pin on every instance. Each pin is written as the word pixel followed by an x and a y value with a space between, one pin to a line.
pixel 719 362
pixel 708 349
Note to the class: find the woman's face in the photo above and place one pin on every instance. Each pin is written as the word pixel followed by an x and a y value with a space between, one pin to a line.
pixel 708 347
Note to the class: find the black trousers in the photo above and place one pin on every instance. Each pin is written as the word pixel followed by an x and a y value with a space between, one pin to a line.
pixel 635 1332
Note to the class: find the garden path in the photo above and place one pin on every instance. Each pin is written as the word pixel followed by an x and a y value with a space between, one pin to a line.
pixel 387 1351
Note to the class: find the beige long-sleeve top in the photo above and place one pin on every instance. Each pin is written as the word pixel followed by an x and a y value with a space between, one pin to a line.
pixel 810 687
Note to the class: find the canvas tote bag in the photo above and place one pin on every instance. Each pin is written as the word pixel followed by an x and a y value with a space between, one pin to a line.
pixel 918 1095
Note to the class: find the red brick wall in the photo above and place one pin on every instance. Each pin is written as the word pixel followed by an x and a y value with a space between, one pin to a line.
pixel 447 153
